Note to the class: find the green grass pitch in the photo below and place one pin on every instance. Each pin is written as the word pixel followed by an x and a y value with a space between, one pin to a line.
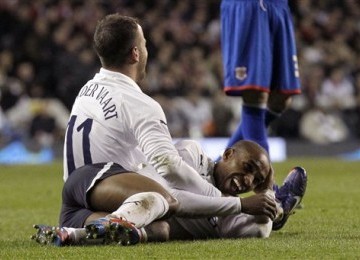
pixel 328 227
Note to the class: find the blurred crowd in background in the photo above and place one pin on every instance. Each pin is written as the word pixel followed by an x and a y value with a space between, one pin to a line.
pixel 46 56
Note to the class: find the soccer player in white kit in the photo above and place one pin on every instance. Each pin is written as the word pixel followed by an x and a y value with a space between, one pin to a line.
pixel 112 120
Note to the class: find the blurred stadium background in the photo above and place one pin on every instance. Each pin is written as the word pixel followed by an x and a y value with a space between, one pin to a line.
pixel 46 56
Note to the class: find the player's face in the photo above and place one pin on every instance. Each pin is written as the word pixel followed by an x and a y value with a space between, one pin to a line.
pixel 237 174
pixel 143 55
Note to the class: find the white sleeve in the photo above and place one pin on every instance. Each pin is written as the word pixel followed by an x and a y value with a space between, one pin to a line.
pixel 195 206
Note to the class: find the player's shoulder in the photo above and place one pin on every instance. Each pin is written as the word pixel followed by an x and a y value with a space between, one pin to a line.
pixel 190 151
pixel 188 145
pixel 193 154
pixel 139 99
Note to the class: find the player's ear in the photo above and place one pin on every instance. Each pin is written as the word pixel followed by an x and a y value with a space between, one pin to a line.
pixel 268 182
pixel 135 54
pixel 228 153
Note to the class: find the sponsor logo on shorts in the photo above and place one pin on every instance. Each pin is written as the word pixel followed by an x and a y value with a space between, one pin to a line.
pixel 241 73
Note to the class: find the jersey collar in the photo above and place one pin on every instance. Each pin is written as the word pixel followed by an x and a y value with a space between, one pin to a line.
pixel 117 76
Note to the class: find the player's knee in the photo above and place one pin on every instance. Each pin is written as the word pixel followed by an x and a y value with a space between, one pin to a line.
pixel 264 230
pixel 258 230
pixel 262 227
pixel 255 97
pixel 279 102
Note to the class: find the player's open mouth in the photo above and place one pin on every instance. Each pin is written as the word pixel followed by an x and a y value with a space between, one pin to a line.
pixel 237 184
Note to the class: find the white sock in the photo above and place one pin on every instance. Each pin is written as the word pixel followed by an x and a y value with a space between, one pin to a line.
pixel 143 235
pixel 142 208
pixel 75 234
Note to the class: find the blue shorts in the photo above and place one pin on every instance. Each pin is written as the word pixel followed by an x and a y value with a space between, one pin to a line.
pixel 258 47
pixel 75 208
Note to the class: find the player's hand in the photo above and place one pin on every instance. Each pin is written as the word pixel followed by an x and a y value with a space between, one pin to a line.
pixel 259 204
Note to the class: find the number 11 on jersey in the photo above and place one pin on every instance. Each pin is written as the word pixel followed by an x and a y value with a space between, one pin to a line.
pixel 85 128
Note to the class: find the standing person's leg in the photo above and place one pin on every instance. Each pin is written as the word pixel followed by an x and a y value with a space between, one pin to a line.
pixel 285 74
pixel 247 60
pixel 277 104
pixel 253 113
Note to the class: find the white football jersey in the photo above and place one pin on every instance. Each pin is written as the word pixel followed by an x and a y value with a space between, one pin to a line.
pixel 113 120
pixel 107 122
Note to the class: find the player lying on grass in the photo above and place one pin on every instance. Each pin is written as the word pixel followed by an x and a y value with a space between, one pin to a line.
pixel 244 167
